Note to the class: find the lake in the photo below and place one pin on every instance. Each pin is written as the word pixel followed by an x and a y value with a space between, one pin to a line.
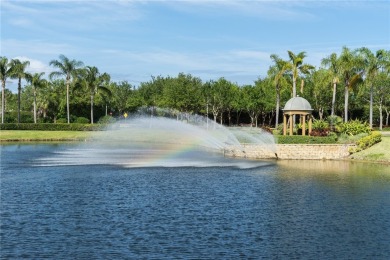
pixel 271 209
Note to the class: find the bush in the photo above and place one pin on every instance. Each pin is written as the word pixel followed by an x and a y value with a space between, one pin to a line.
pixel 350 139
pixel 354 127
pixel 52 127
pixel 368 141
pixel 334 123
pixel 61 121
pixel 81 120
pixel 106 120
pixel 299 139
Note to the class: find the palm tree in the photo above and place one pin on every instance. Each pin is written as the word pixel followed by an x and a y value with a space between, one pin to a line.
pixel 36 82
pixel 374 63
pixel 5 72
pixel 93 81
pixel 69 69
pixel 333 63
pixel 18 71
pixel 277 72
pixel 296 67
pixel 351 71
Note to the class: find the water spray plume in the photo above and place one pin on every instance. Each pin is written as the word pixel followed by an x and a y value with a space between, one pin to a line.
pixel 160 138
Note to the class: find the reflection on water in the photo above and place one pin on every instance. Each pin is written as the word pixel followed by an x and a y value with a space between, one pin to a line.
pixel 282 210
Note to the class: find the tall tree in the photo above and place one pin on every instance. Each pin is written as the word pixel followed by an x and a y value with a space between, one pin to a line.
pixel 277 73
pixel 94 81
pixel 36 82
pixel 69 69
pixel 18 71
pixel 373 64
pixel 351 69
pixel 333 64
pixel 5 72
pixel 297 67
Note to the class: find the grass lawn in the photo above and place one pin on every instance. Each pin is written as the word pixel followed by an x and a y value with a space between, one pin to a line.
pixel 22 135
pixel 379 152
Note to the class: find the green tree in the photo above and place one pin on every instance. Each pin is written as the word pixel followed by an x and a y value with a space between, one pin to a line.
pixel 297 67
pixel 333 63
pixel 277 73
pixel 5 72
pixel 373 64
pixel 18 71
pixel 351 70
pixel 36 82
pixel 69 69
pixel 93 81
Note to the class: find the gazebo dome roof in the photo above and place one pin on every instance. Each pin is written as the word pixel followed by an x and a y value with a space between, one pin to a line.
pixel 297 104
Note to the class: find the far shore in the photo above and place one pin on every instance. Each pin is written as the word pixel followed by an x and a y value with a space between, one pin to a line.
pixel 378 153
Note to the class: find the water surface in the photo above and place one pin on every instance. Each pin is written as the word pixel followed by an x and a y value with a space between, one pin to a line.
pixel 284 209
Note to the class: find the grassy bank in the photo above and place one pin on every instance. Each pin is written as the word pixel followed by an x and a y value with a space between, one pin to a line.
pixel 379 152
pixel 22 135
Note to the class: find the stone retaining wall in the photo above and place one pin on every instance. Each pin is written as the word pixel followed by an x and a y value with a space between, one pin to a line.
pixel 290 151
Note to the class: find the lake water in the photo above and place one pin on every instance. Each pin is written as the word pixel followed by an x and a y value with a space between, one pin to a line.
pixel 272 210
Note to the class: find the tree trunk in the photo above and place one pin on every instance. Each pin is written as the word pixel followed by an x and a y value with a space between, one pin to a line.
pixel 380 116
pixel 19 92
pixel 346 93
pixel 371 102
pixel 91 108
pixel 334 97
pixel 2 101
pixel 35 107
pixel 67 100
pixel 277 107
pixel 321 112
pixel 294 86
pixel 387 116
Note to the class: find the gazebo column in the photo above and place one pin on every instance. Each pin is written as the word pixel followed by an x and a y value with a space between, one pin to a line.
pixel 310 121
pixel 291 124
pixel 284 124
pixel 303 124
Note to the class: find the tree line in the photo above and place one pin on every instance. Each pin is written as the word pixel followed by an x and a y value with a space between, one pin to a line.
pixel 352 84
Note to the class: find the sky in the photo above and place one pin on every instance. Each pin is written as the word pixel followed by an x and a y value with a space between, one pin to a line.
pixel 135 40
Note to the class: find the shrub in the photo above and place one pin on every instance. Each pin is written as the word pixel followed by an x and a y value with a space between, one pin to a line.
pixel 350 139
pixel 52 127
pixel 81 120
pixel 299 139
pixel 61 121
pixel 320 128
pixel 354 127
pixel 367 141
pixel 334 123
pixel 106 120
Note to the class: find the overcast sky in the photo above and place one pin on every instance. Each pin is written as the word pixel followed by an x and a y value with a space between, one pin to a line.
pixel 134 40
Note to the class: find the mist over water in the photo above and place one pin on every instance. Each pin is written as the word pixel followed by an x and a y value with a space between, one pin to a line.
pixel 163 139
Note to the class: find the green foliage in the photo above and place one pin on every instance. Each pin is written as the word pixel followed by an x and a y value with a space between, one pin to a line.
pixel 61 121
pixel 354 127
pixel 299 139
pixel 25 117
pixel 367 141
pixel 334 122
pixel 81 120
pixel 106 120
pixel 320 125
pixel 350 139
pixel 52 127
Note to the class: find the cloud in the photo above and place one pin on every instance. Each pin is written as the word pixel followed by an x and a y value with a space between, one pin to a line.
pixel 36 66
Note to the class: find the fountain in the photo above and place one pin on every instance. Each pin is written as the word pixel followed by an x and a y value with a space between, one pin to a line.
pixel 162 138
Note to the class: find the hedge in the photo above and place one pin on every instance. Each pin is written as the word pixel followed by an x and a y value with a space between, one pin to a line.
pixel 299 139
pixel 53 127
pixel 367 141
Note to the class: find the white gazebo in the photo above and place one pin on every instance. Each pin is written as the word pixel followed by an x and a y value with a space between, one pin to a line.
pixel 297 106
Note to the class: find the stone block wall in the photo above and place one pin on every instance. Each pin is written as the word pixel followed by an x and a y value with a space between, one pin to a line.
pixel 290 151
